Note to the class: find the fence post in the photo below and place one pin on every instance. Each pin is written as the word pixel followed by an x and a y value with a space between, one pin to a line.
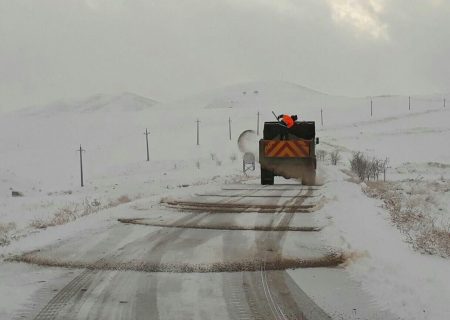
pixel 81 164
pixel 198 132
pixel 371 107
pixel 146 139
pixel 229 126
pixel 257 125
pixel 384 168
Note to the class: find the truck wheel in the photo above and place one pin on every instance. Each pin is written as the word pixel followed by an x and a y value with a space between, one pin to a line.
pixel 309 178
pixel 266 177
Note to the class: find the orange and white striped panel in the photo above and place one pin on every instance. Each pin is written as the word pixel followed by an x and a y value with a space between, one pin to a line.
pixel 286 148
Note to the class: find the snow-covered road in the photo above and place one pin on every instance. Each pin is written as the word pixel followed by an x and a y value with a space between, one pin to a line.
pixel 194 260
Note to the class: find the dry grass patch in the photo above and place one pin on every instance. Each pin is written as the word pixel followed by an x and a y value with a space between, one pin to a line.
pixel 73 211
pixel 411 206
pixel 123 199
pixel 5 233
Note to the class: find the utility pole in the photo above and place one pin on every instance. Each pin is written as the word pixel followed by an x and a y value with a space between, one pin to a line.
pixel 198 132
pixel 371 107
pixel 444 102
pixel 321 116
pixel 229 126
pixel 146 140
pixel 81 150
pixel 257 125
pixel 409 103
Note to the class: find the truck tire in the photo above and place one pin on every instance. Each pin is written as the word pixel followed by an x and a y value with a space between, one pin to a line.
pixel 266 177
pixel 309 178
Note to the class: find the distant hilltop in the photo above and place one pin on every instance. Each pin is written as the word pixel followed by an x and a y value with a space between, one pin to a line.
pixel 123 102
pixel 279 96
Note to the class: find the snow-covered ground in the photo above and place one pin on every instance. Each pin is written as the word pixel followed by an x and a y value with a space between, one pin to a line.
pixel 409 284
pixel 39 158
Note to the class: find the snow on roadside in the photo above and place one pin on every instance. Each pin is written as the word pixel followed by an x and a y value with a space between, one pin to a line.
pixel 420 211
pixel 417 188
pixel 401 280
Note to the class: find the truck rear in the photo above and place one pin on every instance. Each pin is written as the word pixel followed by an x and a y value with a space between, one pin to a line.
pixel 288 152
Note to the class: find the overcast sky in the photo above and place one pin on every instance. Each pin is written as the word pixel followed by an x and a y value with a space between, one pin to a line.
pixel 165 49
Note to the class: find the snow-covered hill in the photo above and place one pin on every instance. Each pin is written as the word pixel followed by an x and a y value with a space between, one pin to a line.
pixel 124 102
pixel 38 144
pixel 263 95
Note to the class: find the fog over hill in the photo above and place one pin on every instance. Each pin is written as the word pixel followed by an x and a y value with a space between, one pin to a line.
pixel 110 127
pixel 122 102
pixel 279 96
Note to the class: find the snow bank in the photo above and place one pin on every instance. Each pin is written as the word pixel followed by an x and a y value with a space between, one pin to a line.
pixel 409 284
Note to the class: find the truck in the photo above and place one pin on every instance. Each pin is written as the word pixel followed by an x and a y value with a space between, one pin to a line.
pixel 288 152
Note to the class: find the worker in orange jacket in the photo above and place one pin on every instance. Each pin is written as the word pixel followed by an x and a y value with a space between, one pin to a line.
pixel 287 120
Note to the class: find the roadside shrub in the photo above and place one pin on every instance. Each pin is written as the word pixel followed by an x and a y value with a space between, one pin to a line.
pixel 335 157
pixel 321 154
pixel 90 207
pixel 366 168
pixel 434 241
pixel 63 216
pixel 123 199
pixel 38 224
pixel 5 230
pixel 358 164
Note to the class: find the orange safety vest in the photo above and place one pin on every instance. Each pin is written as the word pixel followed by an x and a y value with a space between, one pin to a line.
pixel 288 121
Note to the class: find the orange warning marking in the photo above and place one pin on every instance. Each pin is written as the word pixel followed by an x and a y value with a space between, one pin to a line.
pixel 286 149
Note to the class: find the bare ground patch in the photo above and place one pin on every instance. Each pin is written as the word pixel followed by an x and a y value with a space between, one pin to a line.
pixel 196 206
pixel 278 263
pixel 212 226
